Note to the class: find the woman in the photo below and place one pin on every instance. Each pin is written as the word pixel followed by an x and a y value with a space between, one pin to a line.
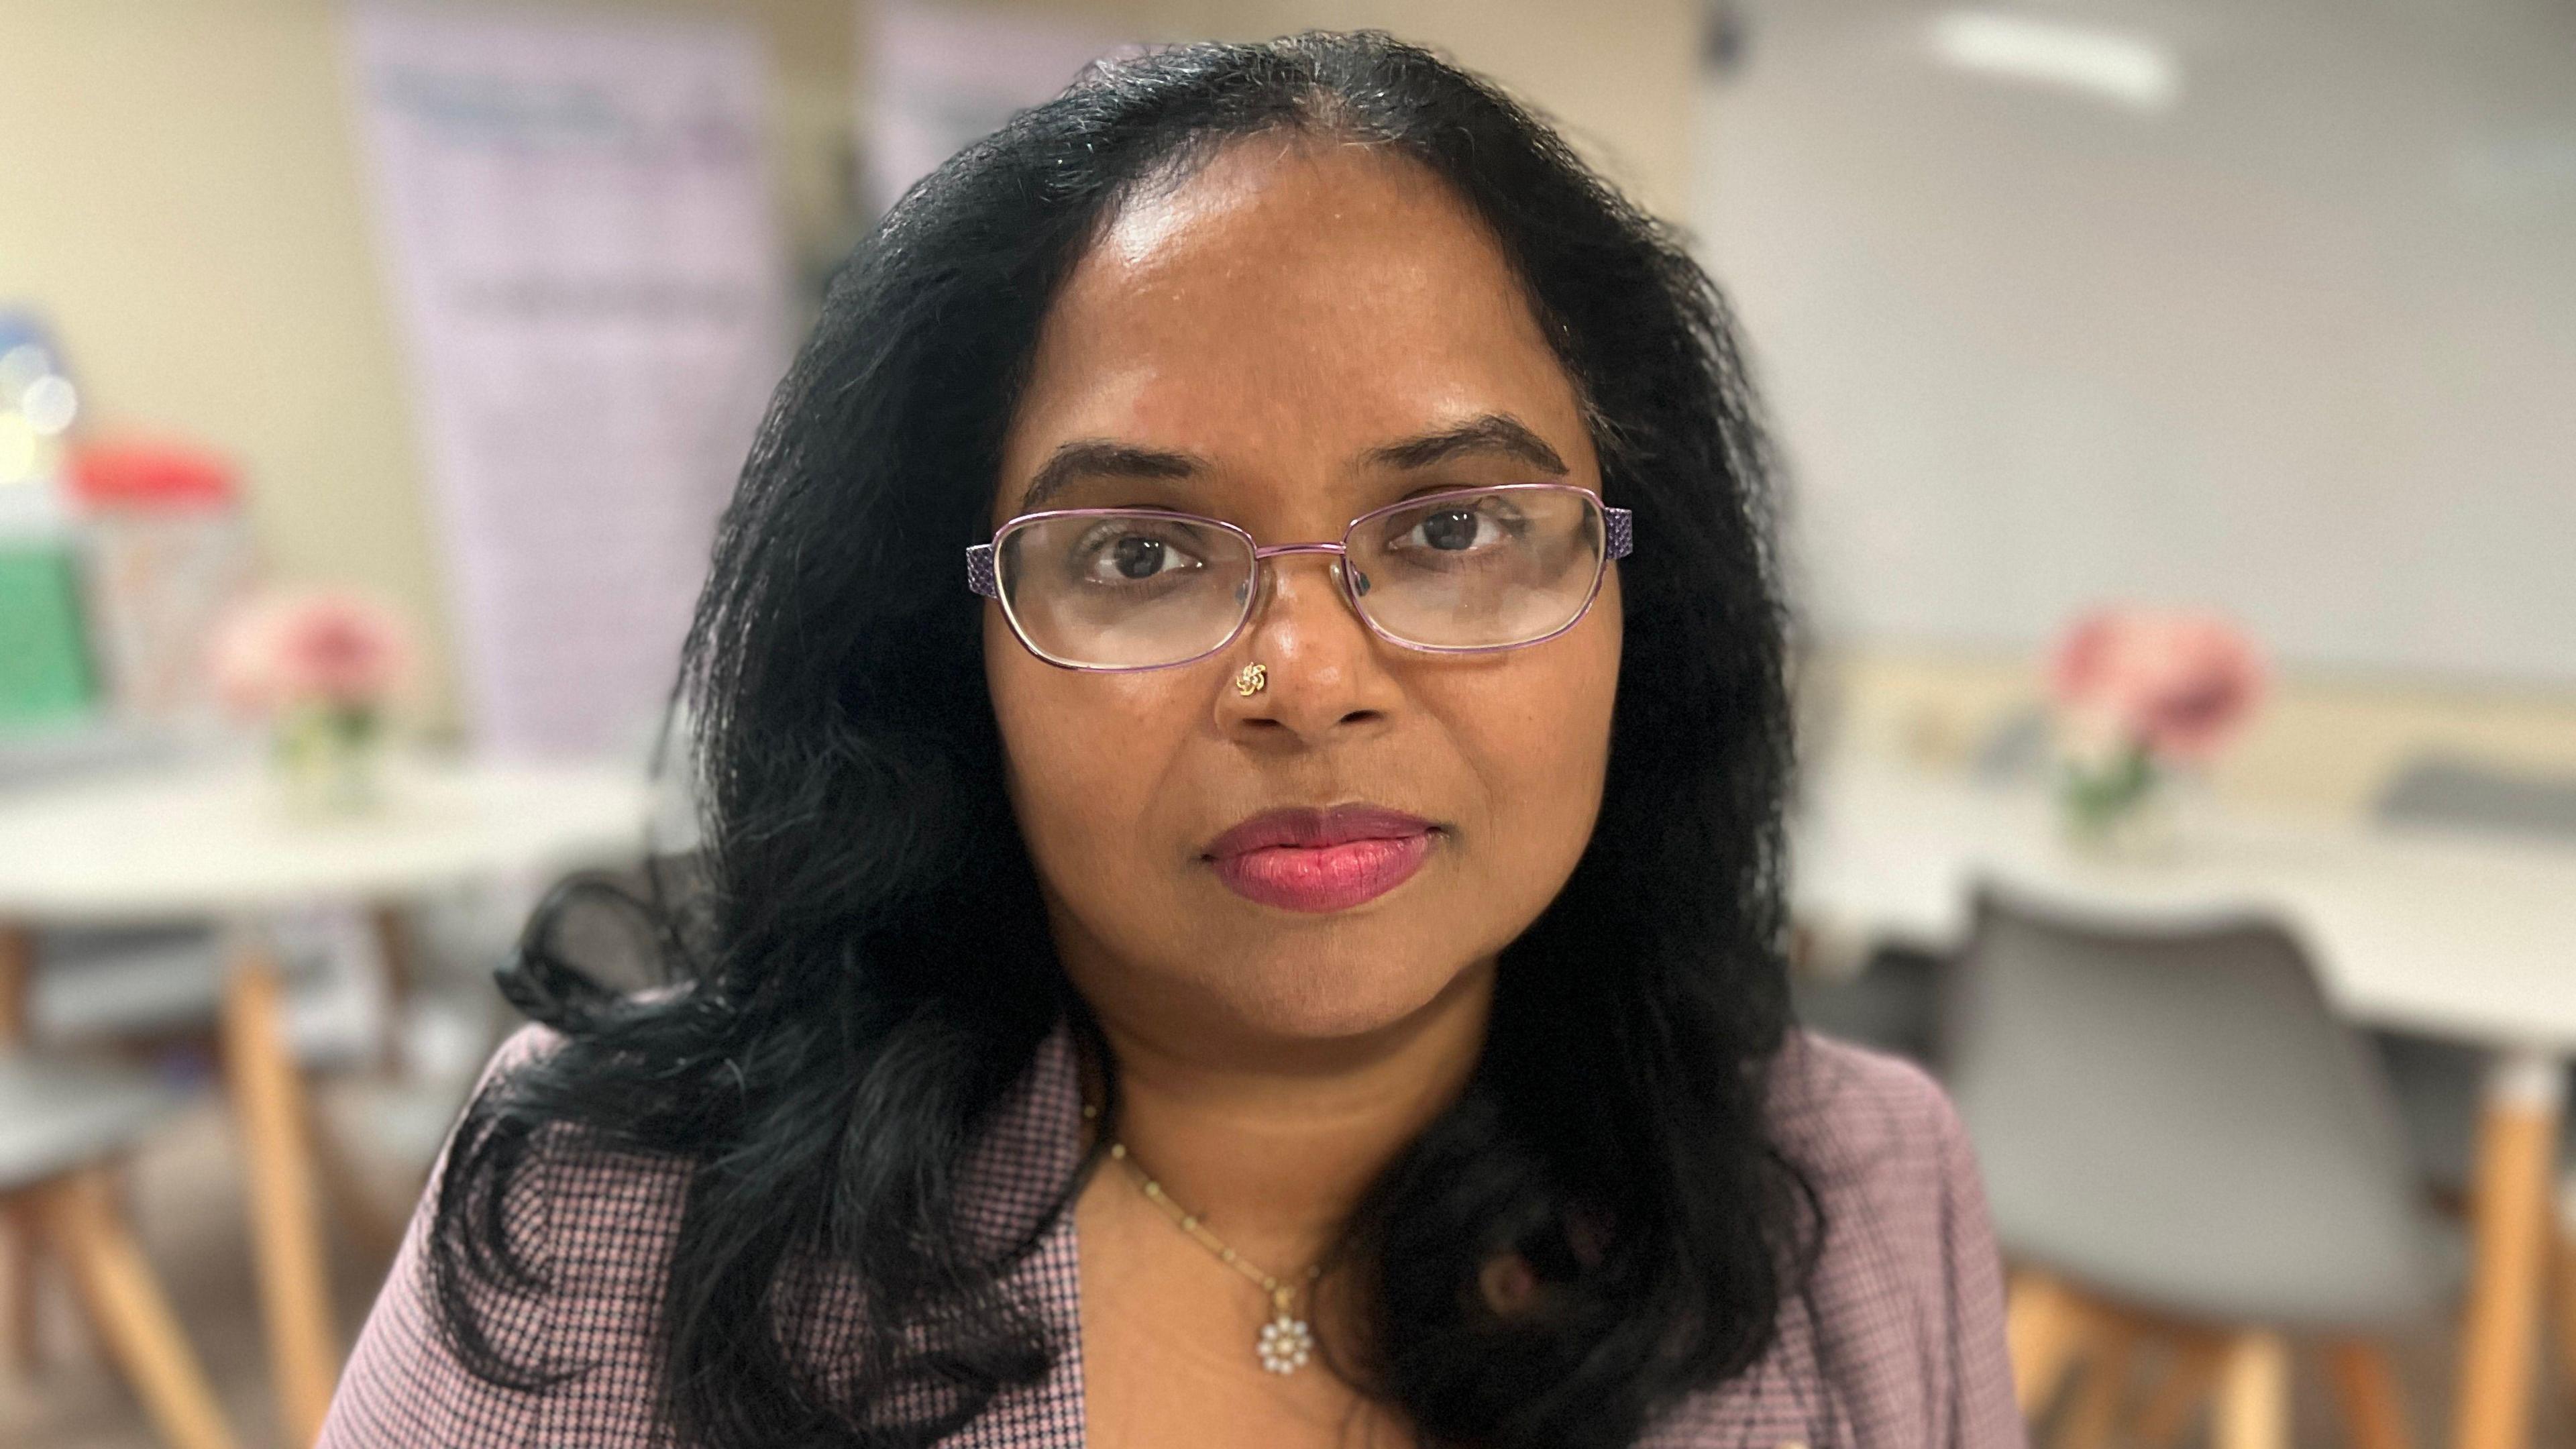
pixel 1238 910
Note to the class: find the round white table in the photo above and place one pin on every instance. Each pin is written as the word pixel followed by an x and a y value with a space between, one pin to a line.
pixel 2470 936
pixel 217 844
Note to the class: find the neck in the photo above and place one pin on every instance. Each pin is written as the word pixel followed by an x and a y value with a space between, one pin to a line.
pixel 1274 1143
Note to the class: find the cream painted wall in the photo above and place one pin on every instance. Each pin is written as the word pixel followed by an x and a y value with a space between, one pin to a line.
pixel 180 194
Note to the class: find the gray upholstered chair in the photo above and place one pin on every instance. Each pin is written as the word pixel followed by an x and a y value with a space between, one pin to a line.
pixel 2477 795
pixel 2183 1144
pixel 64 1120
pixel 62 1123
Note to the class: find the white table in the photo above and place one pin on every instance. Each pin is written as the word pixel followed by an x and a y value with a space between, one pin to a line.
pixel 2462 935
pixel 216 844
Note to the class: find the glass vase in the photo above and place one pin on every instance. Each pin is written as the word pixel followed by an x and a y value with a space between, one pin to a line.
pixel 330 762
pixel 2117 808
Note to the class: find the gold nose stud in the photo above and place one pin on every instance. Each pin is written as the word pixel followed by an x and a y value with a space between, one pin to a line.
pixel 1251 680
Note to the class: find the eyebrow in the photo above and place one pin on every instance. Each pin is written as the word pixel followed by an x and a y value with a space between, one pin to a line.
pixel 1086 459
pixel 1492 433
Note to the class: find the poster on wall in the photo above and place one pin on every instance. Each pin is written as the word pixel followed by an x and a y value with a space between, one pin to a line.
pixel 593 294
pixel 942 78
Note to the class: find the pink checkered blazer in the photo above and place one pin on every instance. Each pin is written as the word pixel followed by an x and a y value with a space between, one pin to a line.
pixel 1898 1341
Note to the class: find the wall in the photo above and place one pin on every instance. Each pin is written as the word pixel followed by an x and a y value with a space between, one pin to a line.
pixel 181 195
pixel 2292 336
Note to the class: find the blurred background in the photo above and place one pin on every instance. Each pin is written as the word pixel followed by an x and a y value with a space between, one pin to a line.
pixel 2174 407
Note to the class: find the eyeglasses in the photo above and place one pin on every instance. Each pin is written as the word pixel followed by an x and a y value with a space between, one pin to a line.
pixel 1456 572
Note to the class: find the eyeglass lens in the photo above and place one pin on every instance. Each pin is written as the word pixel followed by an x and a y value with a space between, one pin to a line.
pixel 1137 589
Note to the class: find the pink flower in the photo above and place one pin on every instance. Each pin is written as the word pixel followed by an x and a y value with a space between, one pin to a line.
pixel 312 646
pixel 2179 684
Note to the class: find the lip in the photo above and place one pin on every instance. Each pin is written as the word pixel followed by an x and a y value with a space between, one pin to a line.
pixel 1318 861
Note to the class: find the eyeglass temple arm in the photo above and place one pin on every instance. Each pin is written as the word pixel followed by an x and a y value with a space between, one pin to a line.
pixel 1618 540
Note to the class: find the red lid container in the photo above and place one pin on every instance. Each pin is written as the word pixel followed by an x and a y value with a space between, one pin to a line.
pixel 106 476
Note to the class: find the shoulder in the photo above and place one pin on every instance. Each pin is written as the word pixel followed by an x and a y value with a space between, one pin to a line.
pixel 1866 1127
pixel 531 1043
pixel 592 1227
pixel 596 1220
pixel 1878 1144
pixel 1903 1309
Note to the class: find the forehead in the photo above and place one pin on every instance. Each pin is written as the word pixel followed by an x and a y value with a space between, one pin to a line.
pixel 1287 306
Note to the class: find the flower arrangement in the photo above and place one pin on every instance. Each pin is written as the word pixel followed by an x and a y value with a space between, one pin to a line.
pixel 2139 693
pixel 321 667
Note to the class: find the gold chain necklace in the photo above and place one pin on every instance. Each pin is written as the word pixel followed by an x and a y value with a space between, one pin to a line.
pixel 1287 1342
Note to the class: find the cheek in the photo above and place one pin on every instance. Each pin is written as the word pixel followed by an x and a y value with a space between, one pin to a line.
pixel 1539 734
pixel 1085 752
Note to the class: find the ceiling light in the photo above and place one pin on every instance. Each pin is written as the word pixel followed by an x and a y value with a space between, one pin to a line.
pixel 2112 65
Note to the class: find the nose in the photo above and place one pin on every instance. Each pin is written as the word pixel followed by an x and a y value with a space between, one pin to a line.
pixel 1323 674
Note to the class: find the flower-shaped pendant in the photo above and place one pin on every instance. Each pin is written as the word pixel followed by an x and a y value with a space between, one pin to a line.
pixel 1286 1344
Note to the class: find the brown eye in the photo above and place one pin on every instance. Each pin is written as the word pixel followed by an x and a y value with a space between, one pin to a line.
pixel 1117 552
pixel 1450 529
pixel 1137 558
pixel 1454 530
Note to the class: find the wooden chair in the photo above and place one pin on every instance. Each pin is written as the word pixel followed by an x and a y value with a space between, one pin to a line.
pixel 2061 1334
pixel 2188 1155
pixel 62 1124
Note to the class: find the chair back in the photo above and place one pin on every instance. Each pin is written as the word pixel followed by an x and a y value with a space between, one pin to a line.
pixel 2448 790
pixel 2173 1116
pixel 60 1113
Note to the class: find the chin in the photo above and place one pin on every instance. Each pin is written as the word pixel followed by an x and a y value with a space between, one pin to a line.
pixel 1302 994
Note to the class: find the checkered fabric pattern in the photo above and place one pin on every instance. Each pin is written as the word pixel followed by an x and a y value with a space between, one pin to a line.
pixel 1898 1341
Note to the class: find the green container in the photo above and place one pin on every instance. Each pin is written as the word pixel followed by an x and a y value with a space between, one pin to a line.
pixel 45 676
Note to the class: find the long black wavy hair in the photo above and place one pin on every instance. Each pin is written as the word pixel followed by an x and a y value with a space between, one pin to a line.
pixel 868 972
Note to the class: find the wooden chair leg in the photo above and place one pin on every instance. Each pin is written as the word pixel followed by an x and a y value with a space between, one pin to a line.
pixel 2365 1385
pixel 2111 1347
pixel 18 1228
pixel 2043 1326
pixel 22 1242
pixel 117 1286
pixel 2517 1143
pixel 286 1231
pixel 2185 1388
pixel 2254 1394
pixel 2562 1301
pixel 397 954
pixel 17 980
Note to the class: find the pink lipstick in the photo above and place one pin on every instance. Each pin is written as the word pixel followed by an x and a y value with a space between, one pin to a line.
pixel 1321 860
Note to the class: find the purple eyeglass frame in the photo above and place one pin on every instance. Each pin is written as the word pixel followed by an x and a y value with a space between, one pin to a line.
pixel 1618 540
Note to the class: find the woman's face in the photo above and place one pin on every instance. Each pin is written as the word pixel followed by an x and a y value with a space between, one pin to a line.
pixel 1259 343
